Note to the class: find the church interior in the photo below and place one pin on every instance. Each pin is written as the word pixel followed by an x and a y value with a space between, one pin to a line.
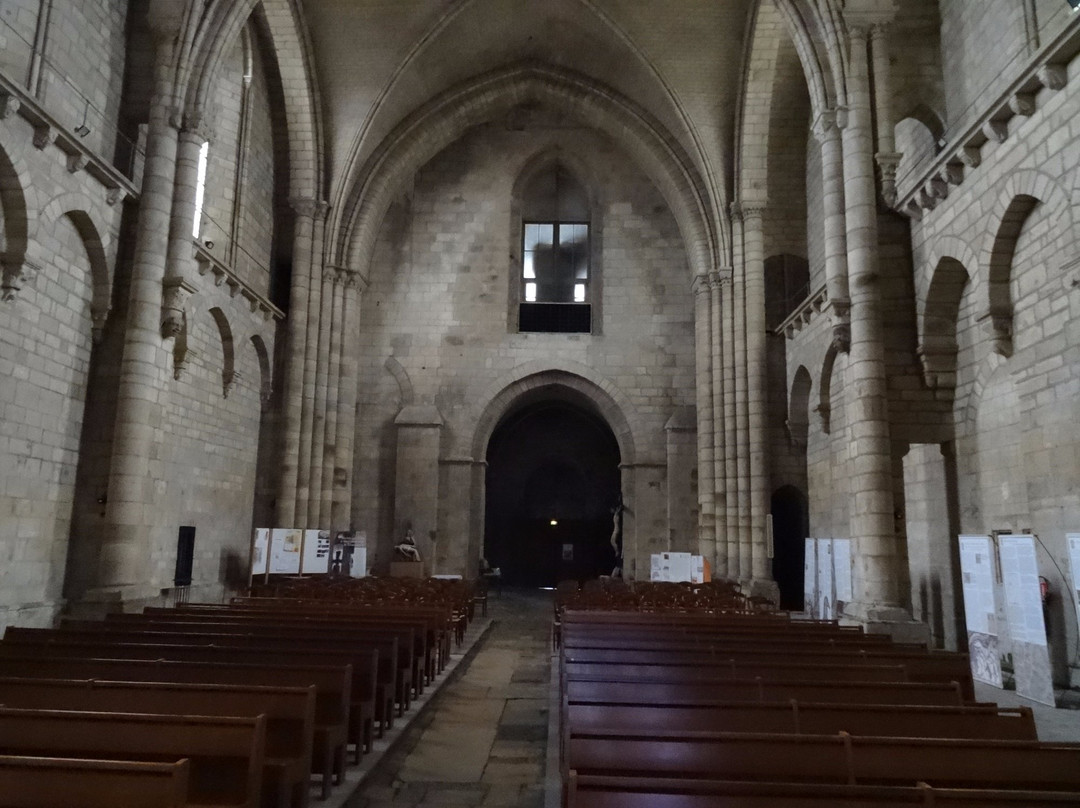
pixel 556 287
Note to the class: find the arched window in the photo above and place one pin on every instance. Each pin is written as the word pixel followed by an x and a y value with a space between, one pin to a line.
pixel 555 280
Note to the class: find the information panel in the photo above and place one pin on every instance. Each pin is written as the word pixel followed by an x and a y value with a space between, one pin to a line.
pixel 841 549
pixel 826 599
pixel 1072 541
pixel 1023 605
pixel 810 579
pixel 977 569
pixel 315 558
pixel 285 544
pixel 260 547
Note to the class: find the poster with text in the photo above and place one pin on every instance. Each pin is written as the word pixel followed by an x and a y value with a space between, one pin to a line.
pixel 348 554
pixel 697 569
pixel 656 567
pixel 285 544
pixel 315 558
pixel 1072 541
pixel 977 574
pixel 825 580
pixel 810 579
pixel 677 566
pixel 841 549
pixel 260 547
pixel 1023 606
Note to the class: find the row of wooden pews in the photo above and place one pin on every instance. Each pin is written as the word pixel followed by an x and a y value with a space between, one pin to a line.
pixel 237 704
pixel 731 708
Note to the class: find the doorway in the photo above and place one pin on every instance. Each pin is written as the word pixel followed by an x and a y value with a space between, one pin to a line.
pixel 790 513
pixel 552 482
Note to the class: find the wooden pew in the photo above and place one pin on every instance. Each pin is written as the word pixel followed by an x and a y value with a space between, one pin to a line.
pixel 332 686
pixel 585 791
pixel 363 663
pixel 904 720
pixel 838 759
pixel 41 782
pixel 760 689
pixel 289 711
pixel 225 754
pixel 731 669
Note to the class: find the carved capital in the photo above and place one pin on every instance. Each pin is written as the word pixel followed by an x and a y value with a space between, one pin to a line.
pixel 998 327
pixel 17 274
pixel 175 294
pixel 725 276
pixel 9 105
pixel 114 195
pixel 182 359
pixel 305 206
pixel 1053 77
pixel 700 285
pixel 229 380
pixel 76 162
pixel 199 127
pixel 888 163
pixel 44 135
pixel 971 156
pixel 825 126
pixel 951 173
pixel 843 116
pixel 997 131
pixel 1023 104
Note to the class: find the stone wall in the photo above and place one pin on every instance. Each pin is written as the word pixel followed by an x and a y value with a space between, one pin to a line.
pixel 436 315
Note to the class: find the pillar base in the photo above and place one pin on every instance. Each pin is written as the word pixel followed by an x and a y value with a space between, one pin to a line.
pixel 891 620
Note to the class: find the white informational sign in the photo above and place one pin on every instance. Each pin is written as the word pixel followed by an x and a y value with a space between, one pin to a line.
pixel 697 569
pixel 977 571
pixel 841 549
pixel 656 567
pixel 677 566
pixel 1023 606
pixel 260 551
pixel 1072 541
pixel 315 558
pixel 810 579
pixel 285 544
pixel 826 599
pixel 348 553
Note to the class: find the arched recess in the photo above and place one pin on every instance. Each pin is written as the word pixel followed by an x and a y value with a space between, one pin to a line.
pixel 578 385
pixel 442 121
pixel 1020 194
pixel 76 207
pixel 937 343
pixel 14 223
pixel 265 468
pixel 798 420
pixel 823 407
pixel 266 373
pixel 229 376
pixel 791 527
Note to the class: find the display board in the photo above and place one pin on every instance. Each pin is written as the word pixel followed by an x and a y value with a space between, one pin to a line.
pixel 977 571
pixel 842 588
pixel 825 595
pixel 697 569
pixel 1027 628
pixel 348 553
pixel 315 558
pixel 810 579
pixel 1072 541
pixel 672 567
pixel 285 546
pixel 260 551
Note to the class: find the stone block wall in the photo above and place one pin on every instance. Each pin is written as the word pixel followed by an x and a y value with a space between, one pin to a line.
pixel 435 319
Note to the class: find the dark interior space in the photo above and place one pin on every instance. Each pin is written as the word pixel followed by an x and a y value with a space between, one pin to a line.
pixel 552 482
pixel 790 524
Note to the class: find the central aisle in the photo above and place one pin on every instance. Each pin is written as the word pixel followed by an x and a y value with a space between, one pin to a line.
pixel 482 740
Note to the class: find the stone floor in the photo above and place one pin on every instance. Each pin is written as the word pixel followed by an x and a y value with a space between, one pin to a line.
pixel 483 739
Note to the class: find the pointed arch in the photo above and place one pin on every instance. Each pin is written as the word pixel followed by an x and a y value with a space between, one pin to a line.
pixel 798 420
pixel 228 350
pixel 266 374
pixel 78 208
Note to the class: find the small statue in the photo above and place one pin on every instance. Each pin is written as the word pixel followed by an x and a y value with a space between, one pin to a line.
pixel 406 549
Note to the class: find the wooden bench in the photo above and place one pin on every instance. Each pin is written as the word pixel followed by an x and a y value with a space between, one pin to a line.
pixel 225 754
pixel 586 791
pixel 731 669
pixel 838 759
pixel 289 711
pixel 45 782
pixel 332 686
pixel 690 694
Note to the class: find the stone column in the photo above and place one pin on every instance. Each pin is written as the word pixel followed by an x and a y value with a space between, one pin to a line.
pixel 129 513
pixel 311 369
pixel 416 493
pixel 682 458
pixel 742 424
pixel 832 192
pixel 887 157
pixel 340 517
pixel 866 398
pixel 702 353
pixel 179 285
pixel 296 348
pixel 756 361
pixel 716 327
pixel 731 477
pixel 333 388
pixel 320 333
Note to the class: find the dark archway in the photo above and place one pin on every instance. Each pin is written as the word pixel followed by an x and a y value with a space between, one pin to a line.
pixel 791 520
pixel 552 480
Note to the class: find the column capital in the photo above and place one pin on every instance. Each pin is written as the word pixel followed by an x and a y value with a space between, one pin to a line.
pixel 700 286
pixel 309 207
pixel 752 208
pixel 826 125
pixel 199 125
pixel 724 276
pixel 868 17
